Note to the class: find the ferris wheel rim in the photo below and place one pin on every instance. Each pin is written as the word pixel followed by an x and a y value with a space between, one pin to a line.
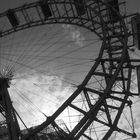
pixel 104 38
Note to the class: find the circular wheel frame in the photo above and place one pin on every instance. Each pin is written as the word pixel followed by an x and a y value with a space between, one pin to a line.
pixel 101 97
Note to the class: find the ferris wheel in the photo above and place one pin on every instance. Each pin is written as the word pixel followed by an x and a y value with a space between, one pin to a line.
pixel 68 65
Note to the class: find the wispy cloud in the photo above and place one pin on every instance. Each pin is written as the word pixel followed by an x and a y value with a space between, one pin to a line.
pixel 38 93
pixel 74 34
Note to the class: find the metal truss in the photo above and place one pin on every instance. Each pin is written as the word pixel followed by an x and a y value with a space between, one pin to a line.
pixel 62 11
pixel 112 67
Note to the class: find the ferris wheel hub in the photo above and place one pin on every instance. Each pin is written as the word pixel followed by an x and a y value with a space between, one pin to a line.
pixel 4 82
pixel 134 135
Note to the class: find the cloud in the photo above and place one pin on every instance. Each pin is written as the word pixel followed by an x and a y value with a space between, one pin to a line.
pixel 33 92
pixel 36 93
pixel 74 34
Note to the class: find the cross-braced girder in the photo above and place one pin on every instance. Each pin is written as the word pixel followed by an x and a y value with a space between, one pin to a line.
pixel 63 11
pixel 8 111
pixel 106 88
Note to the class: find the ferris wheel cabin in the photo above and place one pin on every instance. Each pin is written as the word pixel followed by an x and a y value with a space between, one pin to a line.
pixel 135 21
pixel 80 8
pixel 12 17
pixel 113 10
pixel 45 9
pixel 136 30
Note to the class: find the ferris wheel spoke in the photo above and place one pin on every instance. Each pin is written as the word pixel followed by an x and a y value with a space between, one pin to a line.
pixel 53 62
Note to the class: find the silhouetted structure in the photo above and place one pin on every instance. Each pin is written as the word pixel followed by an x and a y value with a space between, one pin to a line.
pixel 112 66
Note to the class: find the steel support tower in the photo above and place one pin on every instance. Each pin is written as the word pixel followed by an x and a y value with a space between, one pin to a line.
pixel 112 66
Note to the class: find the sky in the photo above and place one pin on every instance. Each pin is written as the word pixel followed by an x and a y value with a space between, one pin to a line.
pixel 132 5
pixel 38 88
